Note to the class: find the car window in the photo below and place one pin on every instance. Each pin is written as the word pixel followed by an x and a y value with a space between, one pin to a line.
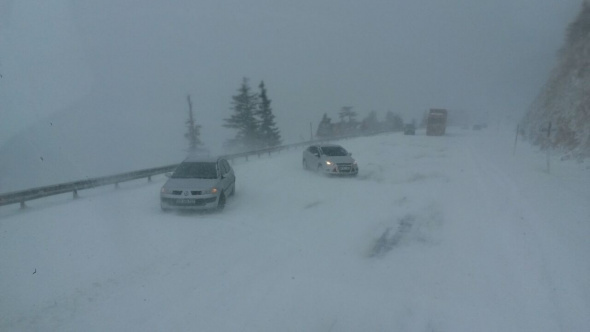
pixel 226 166
pixel 197 170
pixel 313 150
pixel 334 151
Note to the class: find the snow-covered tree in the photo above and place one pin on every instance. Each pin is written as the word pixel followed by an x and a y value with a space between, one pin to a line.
pixel 325 127
pixel 268 132
pixel 347 112
pixel 348 123
pixel 244 106
pixel 370 123
pixel 194 131
pixel 393 122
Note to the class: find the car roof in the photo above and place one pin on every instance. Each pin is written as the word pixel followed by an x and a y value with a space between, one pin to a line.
pixel 201 158
pixel 327 145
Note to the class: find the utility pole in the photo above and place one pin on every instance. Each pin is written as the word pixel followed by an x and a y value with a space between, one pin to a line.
pixel 548 147
pixel 192 137
pixel 516 139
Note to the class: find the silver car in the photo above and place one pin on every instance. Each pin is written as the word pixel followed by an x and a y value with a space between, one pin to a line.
pixel 198 183
pixel 329 159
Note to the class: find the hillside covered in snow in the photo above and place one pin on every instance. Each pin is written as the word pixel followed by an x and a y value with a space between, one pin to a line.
pixel 564 102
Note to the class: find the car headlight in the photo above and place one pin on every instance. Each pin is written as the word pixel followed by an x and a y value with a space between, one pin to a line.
pixel 328 162
pixel 210 191
pixel 165 191
pixel 354 162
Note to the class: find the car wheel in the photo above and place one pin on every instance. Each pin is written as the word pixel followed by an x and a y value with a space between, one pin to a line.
pixel 164 209
pixel 221 202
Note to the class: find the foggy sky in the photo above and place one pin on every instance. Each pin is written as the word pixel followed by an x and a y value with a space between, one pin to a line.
pixel 486 57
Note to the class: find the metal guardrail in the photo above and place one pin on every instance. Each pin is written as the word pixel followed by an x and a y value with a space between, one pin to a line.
pixel 23 196
pixel 73 187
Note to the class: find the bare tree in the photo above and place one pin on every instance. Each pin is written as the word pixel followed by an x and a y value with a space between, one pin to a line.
pixel 194 131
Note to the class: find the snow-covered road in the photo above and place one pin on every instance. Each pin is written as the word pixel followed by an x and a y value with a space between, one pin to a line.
pixel 435 234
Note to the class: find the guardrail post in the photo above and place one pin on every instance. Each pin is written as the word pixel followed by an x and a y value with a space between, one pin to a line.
pixel 149 178
pixel 117 185
pixel 75 194
pixel 23 205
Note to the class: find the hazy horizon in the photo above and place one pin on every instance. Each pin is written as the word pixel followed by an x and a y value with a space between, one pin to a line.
pixel 139 60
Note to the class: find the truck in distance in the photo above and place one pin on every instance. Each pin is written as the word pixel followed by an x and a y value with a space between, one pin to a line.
pixel 436 123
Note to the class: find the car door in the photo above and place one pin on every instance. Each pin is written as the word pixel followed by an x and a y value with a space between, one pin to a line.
pixel 228 177
pixel 312 157
pixel 232 177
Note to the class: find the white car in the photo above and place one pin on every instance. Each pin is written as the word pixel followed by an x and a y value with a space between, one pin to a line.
pixel 198 183
pixel 329 159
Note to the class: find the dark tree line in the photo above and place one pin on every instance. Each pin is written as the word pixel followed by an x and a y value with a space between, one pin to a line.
pixel 253 120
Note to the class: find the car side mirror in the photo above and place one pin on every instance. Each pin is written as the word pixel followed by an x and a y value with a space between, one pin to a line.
pixel 350 154
pixel 316 154
pixel 168 174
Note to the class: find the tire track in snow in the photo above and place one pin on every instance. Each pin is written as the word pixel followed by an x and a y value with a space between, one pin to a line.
pixel 526 248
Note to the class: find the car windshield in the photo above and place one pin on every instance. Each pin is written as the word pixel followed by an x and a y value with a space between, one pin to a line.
pixel 196 170
pixel 334 151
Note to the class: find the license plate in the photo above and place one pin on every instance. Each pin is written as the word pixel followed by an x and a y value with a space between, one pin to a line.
pixel 345 168
pixel 185 201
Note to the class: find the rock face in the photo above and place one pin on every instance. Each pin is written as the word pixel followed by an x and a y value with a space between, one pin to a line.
pixel 564 102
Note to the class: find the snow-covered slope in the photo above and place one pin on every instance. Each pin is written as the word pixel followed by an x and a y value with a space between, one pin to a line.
pixel 564 102
pixel 446 233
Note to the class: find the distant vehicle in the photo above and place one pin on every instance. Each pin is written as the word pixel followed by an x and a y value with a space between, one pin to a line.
pixel 436 123
pixel 198 183
pixel 409 129
pixel 329 159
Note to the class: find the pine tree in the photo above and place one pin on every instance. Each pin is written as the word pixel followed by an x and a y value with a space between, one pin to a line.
pixel 370 123
pixel 194 131
pixel 393 122
pixel 268 132
pixel 347 112
pixel 325 127
pixel 349 126
pixel 244 105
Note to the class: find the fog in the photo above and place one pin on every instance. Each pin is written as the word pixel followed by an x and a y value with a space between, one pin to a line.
pixel 489 237
pixel 122 69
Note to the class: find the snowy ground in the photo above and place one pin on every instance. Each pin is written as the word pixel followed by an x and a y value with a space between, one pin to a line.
pixel 435 234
